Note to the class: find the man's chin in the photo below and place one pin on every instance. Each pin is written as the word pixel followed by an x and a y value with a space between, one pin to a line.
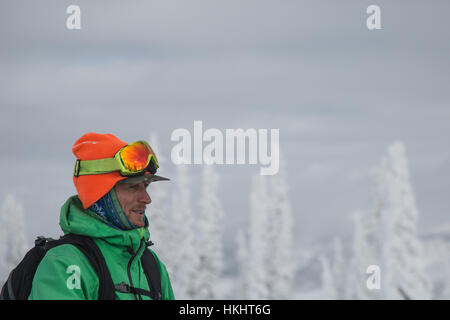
pixel 138 220
pixel 139 224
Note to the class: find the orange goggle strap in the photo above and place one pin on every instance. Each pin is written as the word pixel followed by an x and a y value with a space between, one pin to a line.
pixel 100 166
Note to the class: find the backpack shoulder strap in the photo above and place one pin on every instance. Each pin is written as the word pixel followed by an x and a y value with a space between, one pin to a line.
pixel 88 247
pixel 151 270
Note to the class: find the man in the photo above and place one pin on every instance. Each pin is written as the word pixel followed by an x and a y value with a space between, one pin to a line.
pixel 111 178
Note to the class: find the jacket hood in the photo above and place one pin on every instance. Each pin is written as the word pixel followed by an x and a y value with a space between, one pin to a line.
pixel 74 219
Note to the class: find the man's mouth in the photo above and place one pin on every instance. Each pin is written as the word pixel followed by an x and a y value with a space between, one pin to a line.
pixel 138 211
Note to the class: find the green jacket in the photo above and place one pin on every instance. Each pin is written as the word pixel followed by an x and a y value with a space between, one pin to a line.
pixel 65 273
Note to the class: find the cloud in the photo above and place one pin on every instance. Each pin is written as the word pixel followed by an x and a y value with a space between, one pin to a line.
pixel 338 93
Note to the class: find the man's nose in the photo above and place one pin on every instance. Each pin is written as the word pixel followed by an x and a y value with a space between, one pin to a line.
pixel 145 197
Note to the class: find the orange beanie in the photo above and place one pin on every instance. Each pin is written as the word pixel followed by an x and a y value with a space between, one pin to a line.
pixel 93 146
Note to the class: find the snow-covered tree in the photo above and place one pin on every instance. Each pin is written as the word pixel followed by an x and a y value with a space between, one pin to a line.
pixel 329 287
pixel 209 233
pixel 362 257
pixel 242 260
pixel 339 269
pixel 402 259
pixel 257 273
pixel 182 251
pixel 446 283
pixel 158 210
pixel 279 252
pixel 13 242
pixel 387 237
pixel 269 266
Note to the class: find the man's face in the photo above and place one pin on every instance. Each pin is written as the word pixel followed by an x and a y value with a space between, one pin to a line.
pixel 133 198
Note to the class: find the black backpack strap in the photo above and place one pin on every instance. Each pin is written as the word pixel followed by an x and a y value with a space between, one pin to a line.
pixel 23 274
pixel 88 247
pixel 151 270
pixel 107 287
pixel 7 292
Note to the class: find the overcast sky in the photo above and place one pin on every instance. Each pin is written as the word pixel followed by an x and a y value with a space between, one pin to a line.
pixel 338 92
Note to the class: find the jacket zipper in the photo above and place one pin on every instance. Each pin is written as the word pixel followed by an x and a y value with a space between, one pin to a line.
pixel 129 266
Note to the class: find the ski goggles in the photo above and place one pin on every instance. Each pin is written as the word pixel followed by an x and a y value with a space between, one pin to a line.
pixel 132 160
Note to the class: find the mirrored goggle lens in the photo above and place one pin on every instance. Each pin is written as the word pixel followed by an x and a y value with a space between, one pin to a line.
pixel 135 156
